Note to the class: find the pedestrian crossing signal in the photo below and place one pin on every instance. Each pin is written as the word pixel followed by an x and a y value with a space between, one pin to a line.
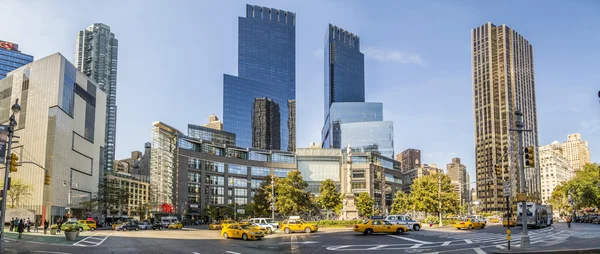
pixel 13 163
pixel 47 179
pixel 529 156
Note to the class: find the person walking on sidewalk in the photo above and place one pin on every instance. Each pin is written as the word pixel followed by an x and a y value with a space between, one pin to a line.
pixel 36 224
pixel 20 228
pixel 12 224
pixel 45 226
pixel 28 225
pixel 59 223
pixel 569 221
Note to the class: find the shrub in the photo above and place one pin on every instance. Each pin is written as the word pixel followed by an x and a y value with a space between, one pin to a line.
pixel 337 222
pixel 54 226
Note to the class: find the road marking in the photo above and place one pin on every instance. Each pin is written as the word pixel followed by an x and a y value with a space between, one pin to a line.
pixel 53 252
pixel 446 243
pixel 499 246
pixel 479 251
pixel 338 247
pixel 416 246
pixel 377 247
pixel 294 244
pixel 93 243
pixel 409 239
pixel 468 241
pixel 231 252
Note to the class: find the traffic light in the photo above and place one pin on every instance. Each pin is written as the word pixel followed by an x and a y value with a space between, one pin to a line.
pixel 529 156
pixel 47 179
pixel 13 162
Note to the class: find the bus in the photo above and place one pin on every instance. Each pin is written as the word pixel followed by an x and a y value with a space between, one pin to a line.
pixel 537 215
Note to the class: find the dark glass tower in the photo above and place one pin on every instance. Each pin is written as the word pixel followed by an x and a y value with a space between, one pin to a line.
pixel 11 58
pixel 267 68
pixel 266 124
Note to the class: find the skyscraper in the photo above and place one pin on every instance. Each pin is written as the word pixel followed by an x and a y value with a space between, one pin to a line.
pixel 345 106
pixel 459 178
pixel 503 82
pixel 266 124
pixel 292 125
pixel 554 169
pixel 96 51
pixel 576 151
pixel 11 58
pixel 266 68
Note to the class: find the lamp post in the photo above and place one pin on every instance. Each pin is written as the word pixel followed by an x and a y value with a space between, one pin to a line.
pixel 11 131
pixel 70 194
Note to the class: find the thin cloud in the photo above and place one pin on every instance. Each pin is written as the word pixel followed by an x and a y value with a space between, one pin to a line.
pixel 319 53
pixel 393 55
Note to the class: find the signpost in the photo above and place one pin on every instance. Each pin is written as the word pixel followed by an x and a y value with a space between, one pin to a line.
pixel 507 194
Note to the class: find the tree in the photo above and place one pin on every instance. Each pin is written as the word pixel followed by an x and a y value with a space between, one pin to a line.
pixel 585 187
pixel 426 195
pixel 401 204
pixel 364 204
pixel 19 191
pixel 329 197
pixel 112 196
pixel 212 212
pixel 292 197
pixel 88 205
pixel 559 199
pixel 262 197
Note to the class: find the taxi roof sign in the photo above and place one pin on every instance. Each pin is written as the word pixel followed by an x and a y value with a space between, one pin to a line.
pixel 376 217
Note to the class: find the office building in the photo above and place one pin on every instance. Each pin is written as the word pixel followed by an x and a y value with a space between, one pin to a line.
pixel 409 176
pixel 137 166
pixel 319 164
pixel 96 51
pixel 212 131
pixel 292 125
pixel 266 68
pixel 503 82
pixel 345 106
pixel 61 126
pixel 555 168
pixel 214 123
pixel 409 158
pixel 459 178
pixel 11 58
pixel 163 167
pixel 266 130
pixel 138 189
pixel 576 151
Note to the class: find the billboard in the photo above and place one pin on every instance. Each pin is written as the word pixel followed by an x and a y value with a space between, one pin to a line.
pixel 9 45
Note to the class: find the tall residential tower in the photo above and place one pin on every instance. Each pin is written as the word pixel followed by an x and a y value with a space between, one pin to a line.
pixel 576 151
pixel 503 82
pixel 96 51
pixel 266 68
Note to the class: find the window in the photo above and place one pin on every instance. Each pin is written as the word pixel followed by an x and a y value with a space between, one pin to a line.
pixel 282 158
pixel 255 183
pixel 237 169
pixel 281 172
pixel 215 166
pixel 193 188
pixel 240 192
pixel 217 191
pixel 193 177
pixel 238 182
pixel 255 156
pixel 260 171
pixel 359 159
pixel 194 163
pixel 216 180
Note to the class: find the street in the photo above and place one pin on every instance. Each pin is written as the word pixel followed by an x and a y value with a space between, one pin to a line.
pixel 428 240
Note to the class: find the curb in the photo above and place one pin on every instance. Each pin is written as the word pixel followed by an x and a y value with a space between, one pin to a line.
pixel 577 251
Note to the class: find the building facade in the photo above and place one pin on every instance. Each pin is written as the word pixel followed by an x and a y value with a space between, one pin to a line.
pixel 555 168
pixel 266 124
pixel 211 134
pixel 409 176
pixel 96 51
pixel 503 82
pixel 11 58
pixel 576 151
pixel 163 161
pixel 459 178
pixel 61 127
pixel 409 158
pixel 369 137
pixel 266 68
pixel 319 164
pixel 214 123
pixel 139 190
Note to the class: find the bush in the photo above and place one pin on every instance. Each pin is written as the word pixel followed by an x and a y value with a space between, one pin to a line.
pixel 337 222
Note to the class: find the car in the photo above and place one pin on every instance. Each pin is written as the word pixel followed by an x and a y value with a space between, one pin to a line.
pixel 145 225
pixel 215 225
pixel 494 220
pixel 130 226
pixel 158 226
pixel 507 223
pixel 379 225
pixel 596 220
pixel 80 226
pixel 469 223
pixel 404 220
pixel 175 225
pixel 90 223
pixel 266 223
pixel 117 224
pixel 245 232
pixel 298 225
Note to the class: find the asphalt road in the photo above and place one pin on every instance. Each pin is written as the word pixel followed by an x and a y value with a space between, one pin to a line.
pixel 428 240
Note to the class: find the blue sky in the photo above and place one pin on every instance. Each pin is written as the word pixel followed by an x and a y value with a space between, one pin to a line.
pixel 172 56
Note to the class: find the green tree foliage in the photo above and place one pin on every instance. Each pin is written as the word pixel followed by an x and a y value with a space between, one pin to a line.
pixel 329 197
pixel 364 204
pixel 424 194
pixel 584 187
pixel 560 199
pixel 19 192
pixel 401 204
pixel 112 195
pixel 292 198
pixel 262 197
pixel 212 212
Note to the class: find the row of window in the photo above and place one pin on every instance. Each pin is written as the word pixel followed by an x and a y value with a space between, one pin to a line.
pixel 235 169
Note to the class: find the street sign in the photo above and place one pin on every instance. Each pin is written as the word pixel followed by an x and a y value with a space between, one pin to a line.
pixel 521 197
pixel 3 140
pixel 508 231
pixel 508 237
pixel 241 211
pixel 507 192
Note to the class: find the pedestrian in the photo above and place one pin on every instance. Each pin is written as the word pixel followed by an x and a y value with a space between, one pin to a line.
pixel 12 223
pixel 21 228
pixel 569 221
pixel 45 226
pixel 36 224
pixel 59 223
pixel 28 225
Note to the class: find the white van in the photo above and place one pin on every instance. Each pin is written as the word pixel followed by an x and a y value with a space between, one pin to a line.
pixel 404 220
pixel 266 223
pixel 165 221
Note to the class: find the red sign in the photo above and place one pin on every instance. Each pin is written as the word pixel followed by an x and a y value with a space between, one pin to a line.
pixel 8 45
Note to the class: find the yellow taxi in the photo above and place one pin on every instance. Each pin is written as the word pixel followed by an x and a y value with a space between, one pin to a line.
pixel 378 225
pixel 509 223
pixel 90 223
pixel 245 232
pixel 224 223
pixel 494 220
pixel 117 224
pixel 295 224
pixel 214 226
pixel 469 223
pixel 175 225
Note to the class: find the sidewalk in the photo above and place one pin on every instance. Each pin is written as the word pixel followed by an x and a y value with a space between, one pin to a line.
pixel 58 239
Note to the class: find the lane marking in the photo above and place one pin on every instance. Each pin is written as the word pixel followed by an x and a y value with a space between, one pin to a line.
pixel 294 244
pixel 416 246
pixel 53 252
pixel 377 247
pixel 499 246
pixel 409 239
pixel 446 243
pixel 468 241
pixel 231 252
pixel 337 247
pixel 479 251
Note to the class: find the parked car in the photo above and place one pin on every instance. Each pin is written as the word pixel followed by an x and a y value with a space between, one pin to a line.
pixel 158 226
pixel 130 226
pixel 145 225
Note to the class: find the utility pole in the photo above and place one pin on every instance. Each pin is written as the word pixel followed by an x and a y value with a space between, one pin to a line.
pixel 11 131
pixel 520 129
pixel 440 196
pixel 273 197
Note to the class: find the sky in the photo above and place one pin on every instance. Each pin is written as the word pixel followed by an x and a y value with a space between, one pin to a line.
pixel 173 54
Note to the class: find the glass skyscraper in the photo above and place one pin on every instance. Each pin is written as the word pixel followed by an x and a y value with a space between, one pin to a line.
pixel 11 58
pixel 349 120
pixel 266 69
pixel 96 50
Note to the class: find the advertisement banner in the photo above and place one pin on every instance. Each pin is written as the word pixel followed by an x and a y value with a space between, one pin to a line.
pixel 3 141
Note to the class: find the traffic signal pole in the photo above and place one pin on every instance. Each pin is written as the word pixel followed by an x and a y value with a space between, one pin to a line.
pixel 11 131
pixel 520 129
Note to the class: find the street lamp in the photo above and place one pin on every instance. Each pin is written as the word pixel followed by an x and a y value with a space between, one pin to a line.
pixel 11 131
pixel 70 195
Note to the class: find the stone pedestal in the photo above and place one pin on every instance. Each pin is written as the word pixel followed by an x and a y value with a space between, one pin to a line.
pixel 351 211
